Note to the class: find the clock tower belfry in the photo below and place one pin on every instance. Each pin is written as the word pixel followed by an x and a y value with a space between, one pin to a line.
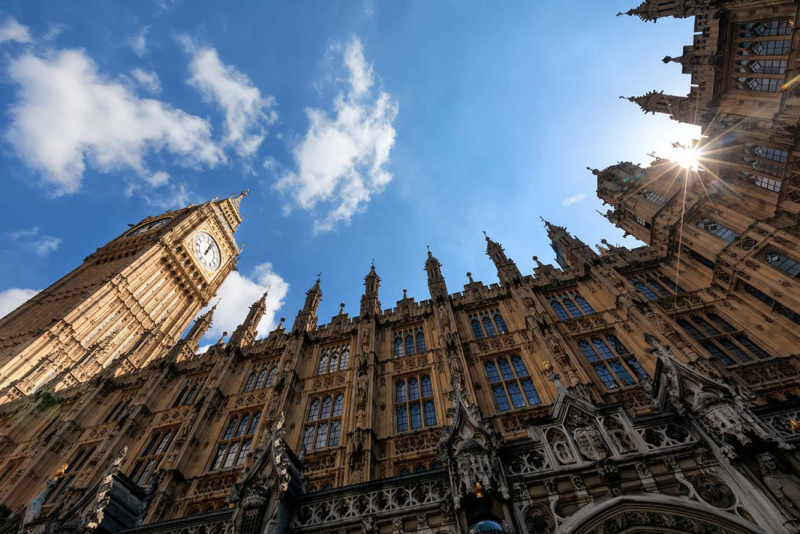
pixel 127 303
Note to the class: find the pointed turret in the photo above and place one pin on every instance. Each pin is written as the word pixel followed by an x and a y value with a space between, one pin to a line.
pixel 570 251
pixel 677 107
pixel 246 333
pixel 199 328
pixel 370 305
pixel 307 317
pixel 651 10
pixel 436 284
pixel 507 270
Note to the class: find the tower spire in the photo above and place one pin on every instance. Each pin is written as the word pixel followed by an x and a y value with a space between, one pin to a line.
pixel 246 333
pixel 436 284
pixel 370 305
pixel 507 270
pixel 307 317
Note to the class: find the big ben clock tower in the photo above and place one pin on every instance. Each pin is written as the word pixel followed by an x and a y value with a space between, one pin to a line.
pixel 127 303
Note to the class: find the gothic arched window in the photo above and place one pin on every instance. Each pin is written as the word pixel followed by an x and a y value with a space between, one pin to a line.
pixel 570 306
pixel 344 362
pixel 585 307
pixel 409 344
pixel 499 322
pixel 251 380
pixel 271 376
pixel 611 361
pixel 236 441
pixel 488 326
pixel 477 331
pixel 398 346
pixel 421 347
pixel 515 384
pixel 334 362
pixel 413 404
pixel 323 364
pixel 559 309
pixel 646 291
pixel 151 456
pixel 262 379
pixel 731 346
pixel 323 427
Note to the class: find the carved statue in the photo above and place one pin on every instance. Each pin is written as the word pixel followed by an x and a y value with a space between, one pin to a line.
pixel 783 486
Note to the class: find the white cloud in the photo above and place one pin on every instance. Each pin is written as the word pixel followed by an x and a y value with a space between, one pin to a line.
pixel 139 41
pixel 46 245
pixel 53 31
pixel 247 111
pixel 68 115
pixel 11 30
pixel 13 298
pixel 148 80
pixel 574 199
pixel 42 246
pixel 342 159
pixel 238 292
pixel 175 196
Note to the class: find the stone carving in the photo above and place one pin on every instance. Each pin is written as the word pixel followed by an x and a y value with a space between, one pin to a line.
pixel 783 486
pixel 713 490
pixel 619 436
pixel 719 406
pixel 538 519
pixel 561 447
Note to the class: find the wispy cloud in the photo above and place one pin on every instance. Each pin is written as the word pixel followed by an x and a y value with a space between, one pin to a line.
pixel 68 116
pixel 30 238
pixel 341 161
pixel 148 80
pixel 574 199
pixel 138 42
pixel 11 30
pixel 238 292
pixel 13 298
pixel 247 111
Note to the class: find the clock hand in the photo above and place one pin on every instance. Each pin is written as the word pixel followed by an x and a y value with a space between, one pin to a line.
pixel 207 250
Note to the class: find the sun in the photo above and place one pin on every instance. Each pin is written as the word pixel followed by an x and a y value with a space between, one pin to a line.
pixel 687 157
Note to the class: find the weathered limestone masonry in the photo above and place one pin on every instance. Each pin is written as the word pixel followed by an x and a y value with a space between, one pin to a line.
pixel 644 390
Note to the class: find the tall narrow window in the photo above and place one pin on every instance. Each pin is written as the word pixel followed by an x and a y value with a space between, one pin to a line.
pixel 655 198
pixel 570 305
pixel 324 422
pixel 251 382
pixel 334 365
pixel 511 384
pixel 236 440
pixel 334 359
pixel 772 303
pixel 151 455
pixel 271 376
pixel 499 322
pixel 723 341
pixel 344 362
pixel 488 326
pixel 611 361
pixel 262 379
pixel 323 363
pixel 409 341
pixel 754 40
pixel 414 403
pixel 717 229
pixel 75 467
pixel 477 331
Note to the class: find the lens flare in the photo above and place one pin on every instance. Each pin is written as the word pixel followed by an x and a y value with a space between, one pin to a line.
pixel 687 157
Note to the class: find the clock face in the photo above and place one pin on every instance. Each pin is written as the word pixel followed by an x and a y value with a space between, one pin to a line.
pixel 148 227
pixel 206 251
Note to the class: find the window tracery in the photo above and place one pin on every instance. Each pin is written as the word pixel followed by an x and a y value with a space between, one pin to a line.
pixel 655 198
pixel 323 422
pixel 334 359
pixel 511 384
pixel 188 393
pixel 414 403
pixel 261 377
pixel 236 440
pixel 409 341
pixel 487 323
pixel 780 261
pixel 761 60
pixel 721 339
pixel 151 455
pixel 570 305
pixel 612 362
pixel 653 285
pixel 77 466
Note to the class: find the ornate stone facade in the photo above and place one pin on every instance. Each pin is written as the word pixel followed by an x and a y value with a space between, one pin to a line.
pixel 643 390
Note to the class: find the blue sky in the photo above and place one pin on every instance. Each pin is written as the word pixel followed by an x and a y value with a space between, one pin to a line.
pixel 363 130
